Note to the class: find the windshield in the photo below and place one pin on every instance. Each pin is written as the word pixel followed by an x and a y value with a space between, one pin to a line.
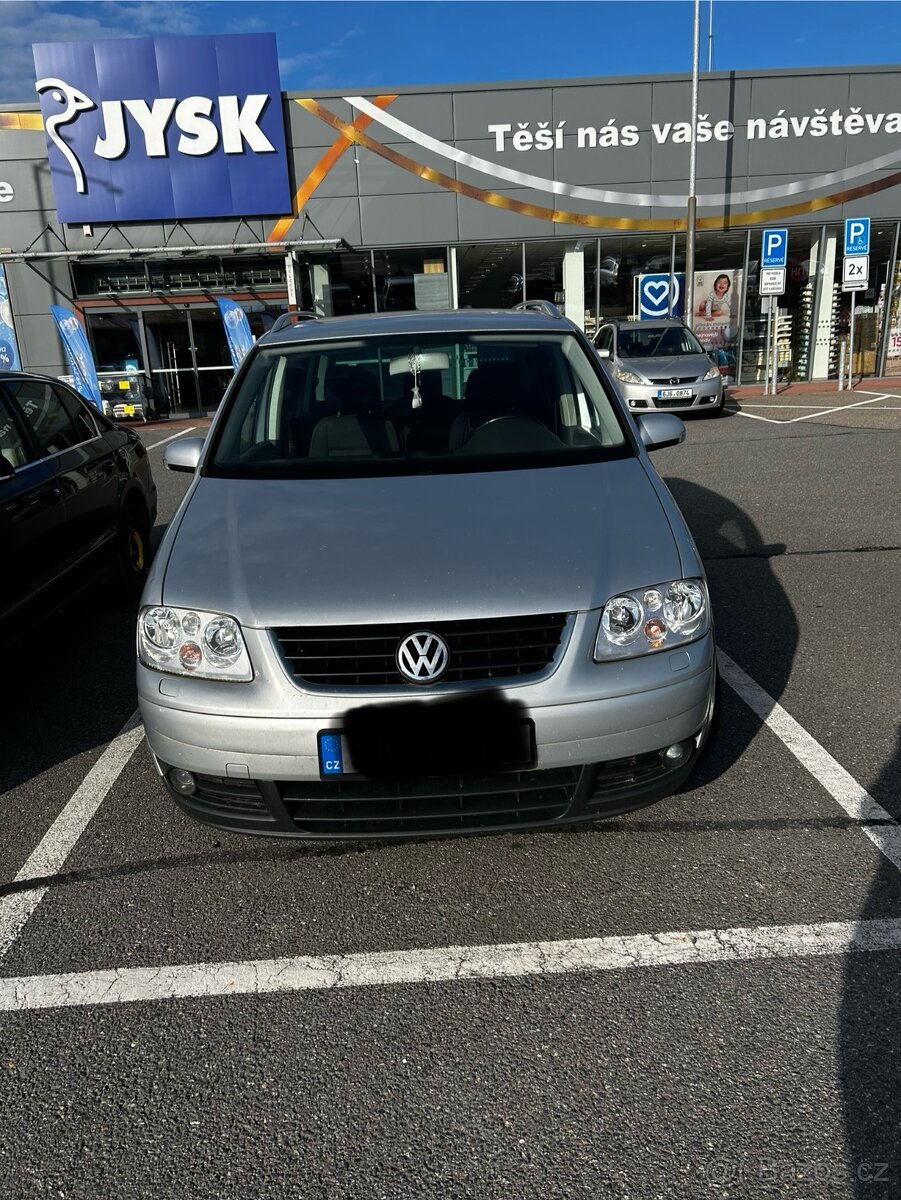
pixel 657 342
pixel 400 405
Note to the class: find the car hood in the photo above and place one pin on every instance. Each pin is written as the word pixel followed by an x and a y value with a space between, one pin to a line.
pixel 675 366
pixel 339 551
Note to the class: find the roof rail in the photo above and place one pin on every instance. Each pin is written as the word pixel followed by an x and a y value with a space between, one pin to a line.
pixel 290 318
pixel 542 306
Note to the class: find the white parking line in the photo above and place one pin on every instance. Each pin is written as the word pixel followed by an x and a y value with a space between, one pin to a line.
pixel 59 840
pixel 822 412
pixel 181 433
pixel 446 964
pixel 839 408
pixel 754 416
pixel 841 786
pixel 795 407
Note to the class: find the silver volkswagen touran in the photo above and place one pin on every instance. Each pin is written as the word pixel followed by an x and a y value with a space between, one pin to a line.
pixel 425 580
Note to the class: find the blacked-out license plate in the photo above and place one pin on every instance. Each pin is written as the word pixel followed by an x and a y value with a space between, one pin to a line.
pixel 408 741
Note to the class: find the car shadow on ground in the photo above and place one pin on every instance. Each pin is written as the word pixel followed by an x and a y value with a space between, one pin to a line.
pixel 870 1033
pixel 75 683
pixel 754 617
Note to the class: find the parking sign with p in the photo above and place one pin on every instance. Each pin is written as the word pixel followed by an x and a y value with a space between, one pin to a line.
pixel 774 249
pixel 857 235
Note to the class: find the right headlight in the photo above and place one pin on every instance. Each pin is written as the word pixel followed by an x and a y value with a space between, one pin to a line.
pixel 660 617
pixel 712 373
pixel 625 376
pixel 188 641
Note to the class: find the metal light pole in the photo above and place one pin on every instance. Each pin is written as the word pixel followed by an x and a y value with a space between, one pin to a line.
pixel 692 169
pixel 710 37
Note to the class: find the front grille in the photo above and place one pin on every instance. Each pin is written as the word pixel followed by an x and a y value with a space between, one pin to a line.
pixel 669 402
pixel 217 791
pixel 364 655
pixel 621 773
pixel 367 807
pixel 667 381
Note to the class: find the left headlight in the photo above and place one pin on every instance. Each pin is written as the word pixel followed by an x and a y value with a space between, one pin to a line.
pixel 626 376
pixel 660 617
pixel 189 641
pixel 712 373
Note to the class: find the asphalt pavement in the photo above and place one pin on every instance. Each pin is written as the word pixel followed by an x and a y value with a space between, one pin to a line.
pixel 698 999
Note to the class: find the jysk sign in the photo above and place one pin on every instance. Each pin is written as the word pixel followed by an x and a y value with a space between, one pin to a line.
pixel 140 129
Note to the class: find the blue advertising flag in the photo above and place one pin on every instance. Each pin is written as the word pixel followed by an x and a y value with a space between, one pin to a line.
pixel 9 349
pixel 237 330
pixel 78 354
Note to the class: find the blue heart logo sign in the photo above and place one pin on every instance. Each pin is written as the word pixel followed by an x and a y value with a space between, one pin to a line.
pixel 654 296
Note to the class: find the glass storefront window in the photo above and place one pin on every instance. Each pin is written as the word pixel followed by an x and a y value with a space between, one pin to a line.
pixel 622 263
pixel 412 280
pixel 490 275
pixel 893 316
pixel 868 306
pixel 336 284
pixel 716 295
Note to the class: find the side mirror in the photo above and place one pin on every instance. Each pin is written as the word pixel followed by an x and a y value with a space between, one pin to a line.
pixel 659 429
pixel 602 353
pixel 183 455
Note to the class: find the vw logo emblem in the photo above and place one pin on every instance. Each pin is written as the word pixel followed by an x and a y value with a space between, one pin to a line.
pixel 422 657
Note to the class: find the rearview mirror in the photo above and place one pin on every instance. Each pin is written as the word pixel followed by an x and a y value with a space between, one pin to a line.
pixel 659 429
pixel 431 360
pixel 183 455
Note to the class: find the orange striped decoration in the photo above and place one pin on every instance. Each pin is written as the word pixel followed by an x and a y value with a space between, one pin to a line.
pixel 590 220
pixel 322 168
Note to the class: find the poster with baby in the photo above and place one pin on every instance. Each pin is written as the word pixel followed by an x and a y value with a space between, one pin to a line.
pixel 716 297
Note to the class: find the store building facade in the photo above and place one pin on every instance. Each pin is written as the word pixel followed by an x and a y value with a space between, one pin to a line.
pixel 166 189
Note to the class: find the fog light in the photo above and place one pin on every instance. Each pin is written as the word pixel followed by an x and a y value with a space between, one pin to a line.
pixel 184 783
pixel 632 403
pixel 677 753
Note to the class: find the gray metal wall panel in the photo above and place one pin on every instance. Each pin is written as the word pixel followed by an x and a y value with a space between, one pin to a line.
pixel 341 179
pixel 330 217
pixel 380 177
pixel 480 222
pixel 625 103
pixel 434 113
pixel 603 166
pixel 304 129
pixel 409 220
pixel 474 111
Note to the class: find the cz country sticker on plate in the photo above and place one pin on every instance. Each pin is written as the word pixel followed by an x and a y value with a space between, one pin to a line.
pixel 333 757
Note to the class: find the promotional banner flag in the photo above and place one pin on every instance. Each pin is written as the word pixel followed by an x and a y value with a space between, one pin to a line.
pixel 78 354
pixel 9 349
pixel 237 330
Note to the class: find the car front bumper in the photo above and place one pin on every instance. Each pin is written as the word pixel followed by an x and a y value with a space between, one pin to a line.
pixel 600 733
pixel 704 394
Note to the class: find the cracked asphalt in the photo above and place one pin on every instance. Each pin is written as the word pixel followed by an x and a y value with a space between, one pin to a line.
pixel 768 1075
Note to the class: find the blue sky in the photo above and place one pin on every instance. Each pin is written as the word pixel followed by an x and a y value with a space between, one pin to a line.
pixel 385 45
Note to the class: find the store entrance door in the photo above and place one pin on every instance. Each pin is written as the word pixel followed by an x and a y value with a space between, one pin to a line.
pixel 190 366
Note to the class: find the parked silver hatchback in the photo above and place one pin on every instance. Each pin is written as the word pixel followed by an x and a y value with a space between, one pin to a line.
pixel 425 580
pixel 661 364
